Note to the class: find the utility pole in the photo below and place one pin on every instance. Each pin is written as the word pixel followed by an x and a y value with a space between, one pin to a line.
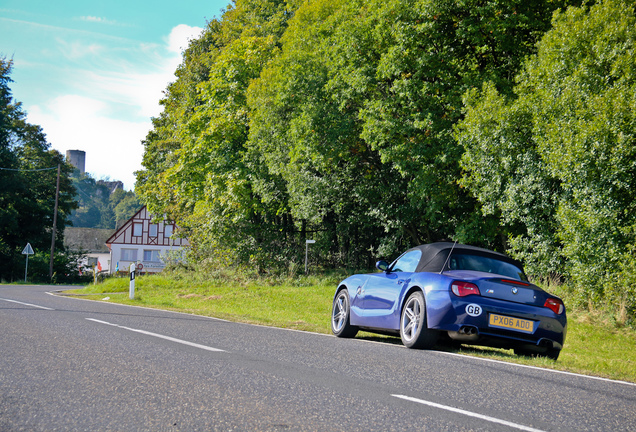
pixel 57 195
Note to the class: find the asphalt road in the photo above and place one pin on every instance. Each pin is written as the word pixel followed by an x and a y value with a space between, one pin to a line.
pixel 69 364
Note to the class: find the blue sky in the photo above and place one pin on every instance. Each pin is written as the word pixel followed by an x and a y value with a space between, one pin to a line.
pixel 91 73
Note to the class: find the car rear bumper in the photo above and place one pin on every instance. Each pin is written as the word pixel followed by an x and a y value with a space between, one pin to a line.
pixel 470 319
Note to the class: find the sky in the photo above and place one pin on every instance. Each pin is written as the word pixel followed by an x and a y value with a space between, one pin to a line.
pixel 92 73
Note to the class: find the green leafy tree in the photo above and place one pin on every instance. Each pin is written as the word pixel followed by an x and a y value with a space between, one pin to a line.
pixel 573 120
pixel 356 114
pixel 333 120
pixel 28 176
pixel 309 146
pixel 195 161
pixel 506 173
pixel 124 204
pixel 93 204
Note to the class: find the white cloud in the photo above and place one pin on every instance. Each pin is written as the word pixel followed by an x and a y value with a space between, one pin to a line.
pixel 112 93
pixel 113 148
pixel 132 75
pixel 90 18
pixel 180 35
pixel 78 49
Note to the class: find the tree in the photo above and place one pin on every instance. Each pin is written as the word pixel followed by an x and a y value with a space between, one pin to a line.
pixel 124 204
pixel 357 114
pixel 332 119
pixel 28 171
pixel 93 203
pixel 100 202
pixel 196 169
pixel 573 117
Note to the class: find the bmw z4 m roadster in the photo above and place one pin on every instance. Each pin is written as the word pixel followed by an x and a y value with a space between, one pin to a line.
pixel 473 295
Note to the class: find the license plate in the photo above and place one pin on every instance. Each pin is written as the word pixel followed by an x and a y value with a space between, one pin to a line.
pixel 511 323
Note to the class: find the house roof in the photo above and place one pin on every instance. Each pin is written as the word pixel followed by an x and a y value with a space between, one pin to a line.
pixel 160 236
pixel 124 227
pixel 87 239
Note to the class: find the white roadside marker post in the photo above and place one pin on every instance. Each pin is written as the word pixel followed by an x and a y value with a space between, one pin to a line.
pixel 307 243
pixel 131 293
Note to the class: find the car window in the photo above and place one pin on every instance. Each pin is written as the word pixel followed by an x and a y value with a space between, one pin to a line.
pixel 485 264
pixel 407 262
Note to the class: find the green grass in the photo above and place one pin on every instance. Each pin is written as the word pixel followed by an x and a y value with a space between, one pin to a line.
pixel 595 345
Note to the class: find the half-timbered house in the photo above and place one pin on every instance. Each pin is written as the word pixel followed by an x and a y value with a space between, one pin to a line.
pixel 144 242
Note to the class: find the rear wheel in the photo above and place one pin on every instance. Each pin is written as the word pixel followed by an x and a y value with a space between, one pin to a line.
pixel 523 352
pixel 340 325
pixel 413 327
pixel 552 353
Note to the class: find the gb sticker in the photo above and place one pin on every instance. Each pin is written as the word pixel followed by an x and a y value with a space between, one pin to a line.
pixel 473 310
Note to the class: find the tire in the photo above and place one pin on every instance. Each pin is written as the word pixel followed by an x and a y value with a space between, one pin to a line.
pixel 340 312
pixel 552 354
pixel 523 352
pixel 413 324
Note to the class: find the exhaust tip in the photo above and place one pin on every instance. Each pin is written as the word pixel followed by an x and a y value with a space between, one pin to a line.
pixel 546 343
pixel 468 330
pixel 465 333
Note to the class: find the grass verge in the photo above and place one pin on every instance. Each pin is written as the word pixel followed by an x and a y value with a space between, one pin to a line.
pixel 594 345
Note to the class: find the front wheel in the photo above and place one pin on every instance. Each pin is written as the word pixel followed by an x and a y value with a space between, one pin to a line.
pixel 413 327
pixel 340 312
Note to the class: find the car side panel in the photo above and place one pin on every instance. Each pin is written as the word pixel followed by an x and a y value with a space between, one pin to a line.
pixel 354 285
pixel 383 296
pixel 436 289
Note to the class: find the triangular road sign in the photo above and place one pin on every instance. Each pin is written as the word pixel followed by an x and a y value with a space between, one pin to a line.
pixel 28 250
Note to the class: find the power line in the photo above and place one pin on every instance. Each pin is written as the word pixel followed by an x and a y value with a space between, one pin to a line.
pixel 29 170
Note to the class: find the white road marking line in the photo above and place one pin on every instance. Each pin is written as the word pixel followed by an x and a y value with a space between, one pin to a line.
pixel 26 304
pixel 183 342
pixel 469 413
pixel 538 368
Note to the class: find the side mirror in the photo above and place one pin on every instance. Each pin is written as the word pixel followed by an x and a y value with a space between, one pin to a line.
pixel 382 265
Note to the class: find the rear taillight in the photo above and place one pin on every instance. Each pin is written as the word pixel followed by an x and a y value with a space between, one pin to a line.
pixel 463 289
pixel 555 305
pixel 515 282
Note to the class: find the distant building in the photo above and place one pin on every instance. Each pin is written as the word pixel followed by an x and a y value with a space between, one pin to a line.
pixel 142 241
pixel 92 242
pixel 77 158
pixel 111 185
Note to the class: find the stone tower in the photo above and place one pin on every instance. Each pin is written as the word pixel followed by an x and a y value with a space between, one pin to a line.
pixel 77 158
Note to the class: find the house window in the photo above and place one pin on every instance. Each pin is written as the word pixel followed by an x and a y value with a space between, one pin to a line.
pixel 167 231
pixel 129 254
pixel 151 255
pixel 137 229
pixel 153 230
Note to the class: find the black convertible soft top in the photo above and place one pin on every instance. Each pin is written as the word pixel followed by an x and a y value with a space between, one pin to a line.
pixel 434 255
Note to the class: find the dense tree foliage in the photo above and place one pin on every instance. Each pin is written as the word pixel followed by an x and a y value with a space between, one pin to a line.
pixel 28 174
pixel 356 114
pixel 557 160
pixel 331 120
pixel 101 204
pixel 196 166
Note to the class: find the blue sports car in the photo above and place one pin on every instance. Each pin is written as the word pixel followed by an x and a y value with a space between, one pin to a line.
pixel 473 295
